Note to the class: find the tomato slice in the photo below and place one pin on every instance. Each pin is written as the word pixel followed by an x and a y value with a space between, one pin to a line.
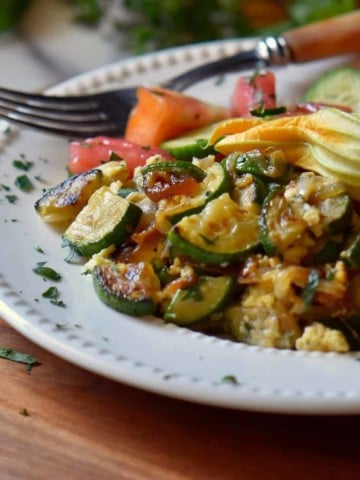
pixel 88 154
pixel 252 92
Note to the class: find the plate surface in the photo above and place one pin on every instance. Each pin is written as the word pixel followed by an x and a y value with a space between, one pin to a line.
pixel 145 352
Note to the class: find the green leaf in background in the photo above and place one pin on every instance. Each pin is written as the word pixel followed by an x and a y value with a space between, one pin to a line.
pixel 88 12
pixel 306 11
pixel 152 24
pixel 11 12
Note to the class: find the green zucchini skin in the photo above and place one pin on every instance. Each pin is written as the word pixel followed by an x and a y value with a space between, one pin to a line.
pixel 120 293
pixel 115 219
pixel 219 184
pixel 270 168
pixel 269 243
pixel 221 233
pixel 351 254
pixel 198 302
pixel 178 167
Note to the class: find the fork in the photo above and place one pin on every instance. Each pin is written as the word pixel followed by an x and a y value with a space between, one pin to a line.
pixel 106 113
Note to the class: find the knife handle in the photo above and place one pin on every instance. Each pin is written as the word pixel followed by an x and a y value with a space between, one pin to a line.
pixel 334 36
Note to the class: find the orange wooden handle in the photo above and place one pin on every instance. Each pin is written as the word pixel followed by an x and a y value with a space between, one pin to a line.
pixel 334 36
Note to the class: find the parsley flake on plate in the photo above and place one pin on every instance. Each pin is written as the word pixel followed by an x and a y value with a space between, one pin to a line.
pixel 46 272
pixel 10 354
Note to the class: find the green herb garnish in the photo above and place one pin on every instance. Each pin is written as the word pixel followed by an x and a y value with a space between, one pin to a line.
pixel 46 272
pixel 22 165
pixel 58 303
pixel 260 111
pixel 13 356
pixel 38 248
pixel 24 183
pixel 11 198
pixel 51 292
pixel 230 379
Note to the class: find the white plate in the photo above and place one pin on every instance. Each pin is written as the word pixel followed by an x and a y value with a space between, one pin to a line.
pixel 145 352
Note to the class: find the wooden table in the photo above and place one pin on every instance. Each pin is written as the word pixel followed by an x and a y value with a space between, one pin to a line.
pixel 82 426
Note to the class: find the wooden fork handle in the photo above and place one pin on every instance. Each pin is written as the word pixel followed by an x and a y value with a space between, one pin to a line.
pixel 334 36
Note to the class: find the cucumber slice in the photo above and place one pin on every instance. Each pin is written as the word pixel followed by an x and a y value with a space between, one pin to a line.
pixel 191 305
pixel 279 227
pixel 340 86
pixel 193 144
pixel 127 288
pixel 221 233
pixel 107 219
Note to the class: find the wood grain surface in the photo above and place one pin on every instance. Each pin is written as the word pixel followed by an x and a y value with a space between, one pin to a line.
pixel 82 426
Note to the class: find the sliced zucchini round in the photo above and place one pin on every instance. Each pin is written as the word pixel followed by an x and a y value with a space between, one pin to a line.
pixel 309 203
pixel 192 144
pixel 272 167
pixel 279 226
pixel 339 86
pixel 191 305
pixel 107 219
pixel 173 209
pixel 127 288
pixel 222 232
pixel 177 167
pixel 249 192
pixel 336 212
pixel 64 201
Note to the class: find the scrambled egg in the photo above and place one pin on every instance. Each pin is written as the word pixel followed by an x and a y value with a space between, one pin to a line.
pixel 318 337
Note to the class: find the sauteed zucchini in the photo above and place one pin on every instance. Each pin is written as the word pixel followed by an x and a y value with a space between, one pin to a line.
pixel 252 232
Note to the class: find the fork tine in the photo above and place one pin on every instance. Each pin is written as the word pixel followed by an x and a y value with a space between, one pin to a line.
pixel 56 114
pixel 68 103
pixel 74 129
pixel 103 113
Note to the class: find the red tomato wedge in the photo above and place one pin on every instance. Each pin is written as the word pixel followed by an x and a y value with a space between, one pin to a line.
pixel 90 153
pixel 161 114
pixel 252 92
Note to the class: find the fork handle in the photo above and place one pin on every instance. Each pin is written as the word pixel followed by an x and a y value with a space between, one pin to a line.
pixel 334 36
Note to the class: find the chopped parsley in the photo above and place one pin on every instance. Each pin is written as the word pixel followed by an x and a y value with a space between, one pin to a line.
pixel 62 326
pixel 58 303
pixel 5 187
pixel 10 354
pixel 46 272
pixel 51 292
pixel 38 248
pixel 22 165
pixel 230 379
pixel 260 111
pixel 11 198
pixel 24 183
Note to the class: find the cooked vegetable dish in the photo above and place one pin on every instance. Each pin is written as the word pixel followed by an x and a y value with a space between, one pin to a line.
pixel 247 227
